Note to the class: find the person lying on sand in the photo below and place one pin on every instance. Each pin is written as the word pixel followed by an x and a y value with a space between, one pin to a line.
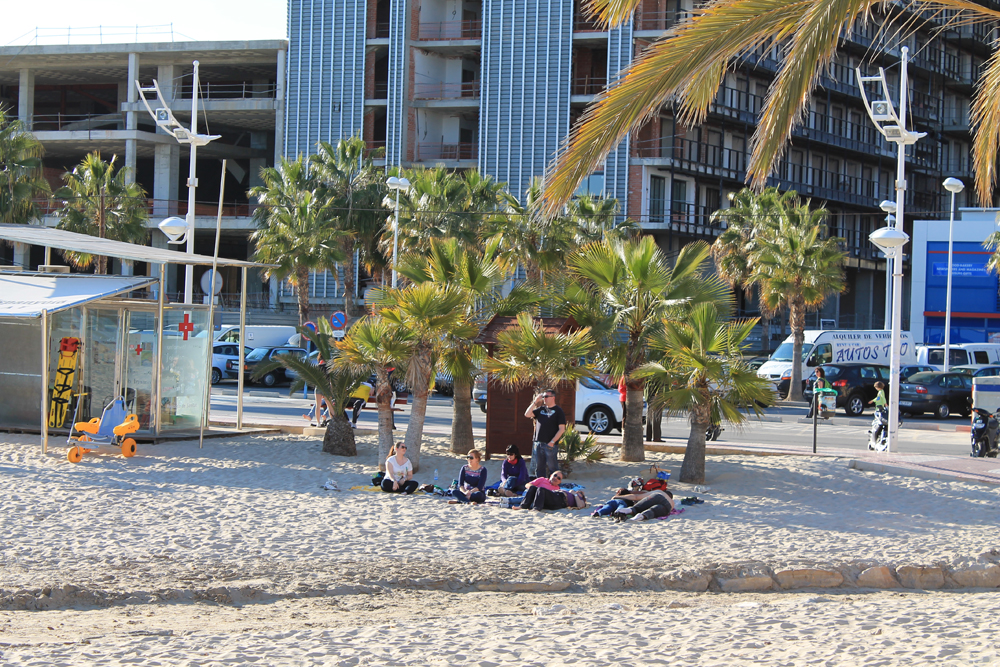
pixel 648 505
pixel 398 472
pixel 471 481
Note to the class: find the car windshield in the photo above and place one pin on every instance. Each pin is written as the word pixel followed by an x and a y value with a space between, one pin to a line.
pixel 257 354
pixel 593 383
pixel 923 378
pixel 784 352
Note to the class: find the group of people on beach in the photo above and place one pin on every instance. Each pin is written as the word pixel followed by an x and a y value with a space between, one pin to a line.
pixel 545 489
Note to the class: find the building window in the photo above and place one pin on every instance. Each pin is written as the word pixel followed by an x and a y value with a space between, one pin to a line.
pixel 657 198
pixel 678 199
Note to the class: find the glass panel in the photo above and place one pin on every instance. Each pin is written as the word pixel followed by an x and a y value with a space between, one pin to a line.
pixel 65 381
pixel 20 376
pixel 140 356
pixel 100 365
pixel 185 367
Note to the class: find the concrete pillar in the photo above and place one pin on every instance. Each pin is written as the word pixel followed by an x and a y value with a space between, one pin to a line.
pixel 279 114
pixel 166 157
pixel 258 141
pixel 159 240
pixel 22 255
pixel 26 97
pixel 131 121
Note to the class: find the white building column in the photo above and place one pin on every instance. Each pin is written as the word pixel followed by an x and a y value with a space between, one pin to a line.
pixel 279 114
pixel 22 255
pixel 26 97
pixel 131 120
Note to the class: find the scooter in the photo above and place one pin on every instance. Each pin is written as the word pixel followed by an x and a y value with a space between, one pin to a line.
pixel 985 434
pixel 878 434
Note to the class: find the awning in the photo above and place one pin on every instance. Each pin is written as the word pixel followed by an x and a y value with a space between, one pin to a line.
pixel 27 295
pixel 92 245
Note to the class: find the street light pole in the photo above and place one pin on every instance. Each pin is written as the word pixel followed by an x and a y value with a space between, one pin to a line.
pixel 954 186
pixel 890 220
pixel 192 185
pixel 396 184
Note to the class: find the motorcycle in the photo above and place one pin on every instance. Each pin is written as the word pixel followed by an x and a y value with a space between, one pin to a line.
pixel 985 434
pixel 878 434
pixel 713 432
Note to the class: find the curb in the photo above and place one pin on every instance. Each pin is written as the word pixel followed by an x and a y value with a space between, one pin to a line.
pixel 921 473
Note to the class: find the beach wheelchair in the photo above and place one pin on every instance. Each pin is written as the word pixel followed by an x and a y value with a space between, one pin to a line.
pixel 108 430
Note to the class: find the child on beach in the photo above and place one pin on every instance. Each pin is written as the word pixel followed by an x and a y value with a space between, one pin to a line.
pixel 398 472
pixel 471 481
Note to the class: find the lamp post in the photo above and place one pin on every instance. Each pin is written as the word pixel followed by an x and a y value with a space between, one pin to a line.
pixel 889 207
pixel 893 128
pixel 396 184
pixel 954 186
pixel 165 120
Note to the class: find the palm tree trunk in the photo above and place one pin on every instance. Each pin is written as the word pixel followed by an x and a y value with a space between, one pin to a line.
pixel 633 444
pixel 339 437
pixel 383 398
pixel 797 322
pixel 693 466
pixel 533 273
pixel 765 334
pixel 302 292
pixel 349 285
pixel 421 366
pixel 462 439
pixel 102 232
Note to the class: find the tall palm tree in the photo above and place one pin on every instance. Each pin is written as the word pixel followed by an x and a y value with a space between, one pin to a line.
pixel 688 64
pixel 356 188
pixel 374 345
pixel 21 179
pixel 702 374
pixel 628 288
pixel 795 265
pixel 97 200
pixel 427 312
pixel 529 356
pixel 295 228
pixel 481 279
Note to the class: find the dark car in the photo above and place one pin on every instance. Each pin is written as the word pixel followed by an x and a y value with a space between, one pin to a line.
pixel 906 371
pixel 940 393
pixel 987 371
pixel 855 384
pixel 260 354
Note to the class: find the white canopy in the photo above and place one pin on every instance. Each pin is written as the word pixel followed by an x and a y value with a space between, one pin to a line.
pixel 27 294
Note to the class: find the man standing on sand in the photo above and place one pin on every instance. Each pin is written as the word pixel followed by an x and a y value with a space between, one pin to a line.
pixel 550 424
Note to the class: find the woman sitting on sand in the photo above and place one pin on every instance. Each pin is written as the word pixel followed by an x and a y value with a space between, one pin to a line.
pixel 471 481
pixel 398 472
pixel 513 474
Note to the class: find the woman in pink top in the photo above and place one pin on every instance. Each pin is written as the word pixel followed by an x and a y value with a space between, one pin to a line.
pixel 544 494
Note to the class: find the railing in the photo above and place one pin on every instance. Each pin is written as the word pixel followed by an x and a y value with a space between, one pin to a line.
pixel 858 136
pixel 584 24
pixel 380 90
pixel 169 207
pixel 739 103
pixel 443 151
pixel 683 217
pixel 961 166
pixel 239 90
pixel 445 91
pixel 840 78
pixel 926 106
pixel 380 30
pixel 69 122
pixel 662 21
pixel 464 29
pixel 956 116
pixel 693 155
pixel 588 85
pixel 828 185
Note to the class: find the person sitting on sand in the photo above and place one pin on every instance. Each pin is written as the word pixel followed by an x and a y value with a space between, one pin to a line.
pixel 648 505
pixel 471 481
pixel 398 472
pixel 544 493
pixel 513 474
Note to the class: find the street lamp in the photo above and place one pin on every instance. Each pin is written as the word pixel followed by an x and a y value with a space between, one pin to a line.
pixel 954 186
pixel 396 184
pixel 165 120
pixel 892 126
pixel 889 207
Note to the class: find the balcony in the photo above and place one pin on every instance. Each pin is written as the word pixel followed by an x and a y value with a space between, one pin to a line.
pixel 239 90
pixel 60 122
pixel 692 156
pixel 660 21
pixel 446 91
pixel 959 167
pixel 451 30
pixel 857 137
pixel 737 104
pixel 379 30
pixel 826 185
pixel 447 152
pixel 380 90
pixel 925 106
pixel 683 218
pixel 840 78
pixel 588 85
pixel 582 23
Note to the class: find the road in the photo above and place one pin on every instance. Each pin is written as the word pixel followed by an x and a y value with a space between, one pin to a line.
pixel 274 406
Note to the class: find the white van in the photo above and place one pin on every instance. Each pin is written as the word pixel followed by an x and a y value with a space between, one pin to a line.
pixel 962 354
pixel 259 335
pixel 835 346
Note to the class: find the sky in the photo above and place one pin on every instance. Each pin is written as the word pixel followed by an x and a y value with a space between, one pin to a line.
pixel 192 20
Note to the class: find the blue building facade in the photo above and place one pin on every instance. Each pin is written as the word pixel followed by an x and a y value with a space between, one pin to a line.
pixel 975 316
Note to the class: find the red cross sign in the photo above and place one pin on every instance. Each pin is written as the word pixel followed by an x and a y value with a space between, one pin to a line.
pixel 138 349
pixel 187 326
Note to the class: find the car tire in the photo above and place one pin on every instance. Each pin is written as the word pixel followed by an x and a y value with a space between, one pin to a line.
pixel 855 405
pixel 482 406
pixel 600 420
pixel 216 376
pixel 269 380
pixel 942 411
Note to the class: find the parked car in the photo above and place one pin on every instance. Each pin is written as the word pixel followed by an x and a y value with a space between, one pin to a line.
pixel 221 353
pixel 987 371
pixel 444 384
pixel 937 392
pixel 260 354
pixel 313 359
pixel 597 405
pixel 855 384
pixel 912 369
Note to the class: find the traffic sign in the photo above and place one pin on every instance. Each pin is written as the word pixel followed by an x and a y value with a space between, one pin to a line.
pixel 339 334
pixel 338 320
pixel 310 325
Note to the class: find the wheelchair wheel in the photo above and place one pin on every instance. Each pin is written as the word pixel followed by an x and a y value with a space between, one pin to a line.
pixel 75 454
pixel 128 448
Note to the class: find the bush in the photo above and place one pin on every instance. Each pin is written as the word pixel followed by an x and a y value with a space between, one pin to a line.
pixel 574 447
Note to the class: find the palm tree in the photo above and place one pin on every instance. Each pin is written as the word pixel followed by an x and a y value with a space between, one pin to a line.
pixel 428 312
pixel 295 229
pixel 748 213
pixel 688 64
pixel 99 201
pixel 21 180
pixel 356 188
pixel 627 289
pixel 529 356
pixel 335 382
pixel 703 375
pixel 373 346
pixel 796 266
pixel 480 278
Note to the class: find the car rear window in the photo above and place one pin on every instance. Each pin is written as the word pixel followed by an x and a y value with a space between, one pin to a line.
pixel 923 378
pixel 831 371
pixel 257 354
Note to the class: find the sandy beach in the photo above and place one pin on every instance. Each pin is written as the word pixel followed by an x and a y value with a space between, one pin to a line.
pixel 234 554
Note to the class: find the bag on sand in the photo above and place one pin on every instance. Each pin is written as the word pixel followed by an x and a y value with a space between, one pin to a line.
pixel 377 479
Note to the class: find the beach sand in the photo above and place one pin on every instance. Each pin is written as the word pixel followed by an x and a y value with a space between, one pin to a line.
pixel 234 554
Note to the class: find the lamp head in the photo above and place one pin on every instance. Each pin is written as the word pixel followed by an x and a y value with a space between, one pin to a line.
pixel 395 183
pixel 888 206
pixel 175 229
pixel 888 239
pixel 953 185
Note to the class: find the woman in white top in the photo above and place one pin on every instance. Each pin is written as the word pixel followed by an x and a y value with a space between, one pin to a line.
pixel 398 472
